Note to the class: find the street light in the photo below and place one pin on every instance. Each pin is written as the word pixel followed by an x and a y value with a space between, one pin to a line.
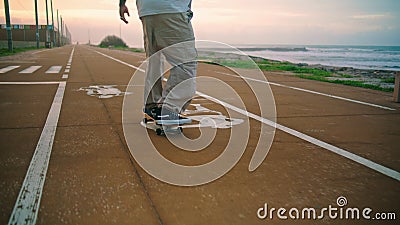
pixel 37 25
pixel 8 25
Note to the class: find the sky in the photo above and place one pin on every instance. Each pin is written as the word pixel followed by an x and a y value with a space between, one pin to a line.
pixel 237 22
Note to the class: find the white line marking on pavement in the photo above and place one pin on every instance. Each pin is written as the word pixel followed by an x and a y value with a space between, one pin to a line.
pixel 54 69
pixel 65 76
pixel 310 91
pixel 70 57
pixel 40 51
pixel 117 60
pixel 358 159
pixel 8 69
pixel 31 69
pixel 368 163
pixel 66 71
pixel 27 205
pixel 28 83
pixel 68 66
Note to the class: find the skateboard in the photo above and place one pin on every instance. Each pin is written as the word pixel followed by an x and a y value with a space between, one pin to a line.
pixel 161 129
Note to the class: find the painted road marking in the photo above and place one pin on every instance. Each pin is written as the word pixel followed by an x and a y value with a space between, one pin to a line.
pixel 104 91
pixel 122 62
pixel 358 159
pixel 54 69
pixel 31 69
pixel 8 69
pixel 310 91
pixel 70 57
pixel 27 205
pixel 66 71
pixel 28 83
pixel 368 163
pixel 65 76
pixel 40 51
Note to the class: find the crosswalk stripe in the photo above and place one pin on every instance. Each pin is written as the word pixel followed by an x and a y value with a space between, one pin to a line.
pixel 54 69
pixel 8 68
pixel 31 69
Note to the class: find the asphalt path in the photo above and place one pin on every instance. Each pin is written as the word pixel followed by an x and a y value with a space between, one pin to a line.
pixel 65 159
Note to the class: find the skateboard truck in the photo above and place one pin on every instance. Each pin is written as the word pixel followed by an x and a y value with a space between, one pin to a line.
pixel 161 129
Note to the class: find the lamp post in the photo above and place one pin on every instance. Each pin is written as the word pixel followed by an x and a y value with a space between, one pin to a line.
pixel 52 23
pixel 8 25
pixel 47 27
pixel 37 25
pixel 58 31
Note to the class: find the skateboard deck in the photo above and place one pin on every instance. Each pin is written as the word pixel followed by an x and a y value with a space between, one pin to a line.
pixel 161 129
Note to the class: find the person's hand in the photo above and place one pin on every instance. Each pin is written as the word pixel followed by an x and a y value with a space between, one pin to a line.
pixel 122 10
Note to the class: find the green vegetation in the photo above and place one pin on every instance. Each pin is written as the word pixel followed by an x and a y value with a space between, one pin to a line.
pixel 301 72
pixel 117 43
pixel 5 52
pixel 112 41
pixel 295 69
pixel 353 83
pixel 388 80
pixel 129 49
pixel 246 64
pixel 347 76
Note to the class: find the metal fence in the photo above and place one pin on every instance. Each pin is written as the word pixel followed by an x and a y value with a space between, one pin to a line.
pixel 25 36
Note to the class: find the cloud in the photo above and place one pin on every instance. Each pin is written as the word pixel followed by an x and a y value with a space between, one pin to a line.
pixel 290 14
pixel 256 21
pixel 373 16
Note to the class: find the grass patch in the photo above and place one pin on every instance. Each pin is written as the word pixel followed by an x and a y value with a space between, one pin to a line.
pixel 346 76
pixel 245 64
pixel 295 69
pixel 124 48
pixel 301 72
pixel 346 82
pixel 136 50
pixel 5 52
pixel 388 80
pixel 272 66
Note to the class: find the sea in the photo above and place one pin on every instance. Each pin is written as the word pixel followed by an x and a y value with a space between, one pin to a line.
pixel 359 57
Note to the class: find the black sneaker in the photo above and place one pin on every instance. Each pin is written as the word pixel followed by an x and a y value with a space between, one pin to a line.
pixel 168 117
pixel 153 113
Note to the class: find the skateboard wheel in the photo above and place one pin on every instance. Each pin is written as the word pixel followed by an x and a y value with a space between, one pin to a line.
pixel 159 131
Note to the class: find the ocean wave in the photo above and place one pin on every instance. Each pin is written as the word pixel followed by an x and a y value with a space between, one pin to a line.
pixel 392 67
pixel 276 49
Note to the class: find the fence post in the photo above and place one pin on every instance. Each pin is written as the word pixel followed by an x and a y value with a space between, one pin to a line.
pixel 396 93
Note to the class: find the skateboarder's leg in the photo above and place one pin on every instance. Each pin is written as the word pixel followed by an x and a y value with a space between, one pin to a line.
pixel 181 85
pixel 153 83
pixel 179 50
pixel 162 32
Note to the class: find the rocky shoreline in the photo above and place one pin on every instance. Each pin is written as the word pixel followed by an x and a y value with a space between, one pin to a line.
pixel 381 74
pixel 382 78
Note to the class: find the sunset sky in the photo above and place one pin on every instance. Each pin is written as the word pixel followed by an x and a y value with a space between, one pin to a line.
pixel 346 22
